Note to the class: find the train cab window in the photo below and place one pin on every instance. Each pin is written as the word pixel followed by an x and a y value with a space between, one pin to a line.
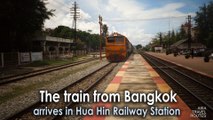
pixel 119 39
pixel 110 40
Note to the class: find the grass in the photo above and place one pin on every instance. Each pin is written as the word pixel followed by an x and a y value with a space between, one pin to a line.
pixel 22 90
pixel 52 62
pixel 13 70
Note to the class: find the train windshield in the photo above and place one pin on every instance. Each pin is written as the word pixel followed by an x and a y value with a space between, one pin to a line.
pixel 115 40
pixel 119 39
pixel 111 40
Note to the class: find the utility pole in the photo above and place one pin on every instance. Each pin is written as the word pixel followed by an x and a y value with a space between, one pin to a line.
pixel 89 46
pixel 75 14
pixel 100 22
pixel 189 31
pixel 160 36
pixel 169 39
pixel 168 44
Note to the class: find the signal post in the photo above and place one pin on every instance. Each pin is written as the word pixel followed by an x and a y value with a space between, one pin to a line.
pixel 100 22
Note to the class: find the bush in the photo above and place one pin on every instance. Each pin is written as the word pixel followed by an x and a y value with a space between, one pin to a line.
pixel 187 56
pixel 206 59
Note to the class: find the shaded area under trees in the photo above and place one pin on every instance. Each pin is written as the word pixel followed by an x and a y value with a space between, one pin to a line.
pixel 19 21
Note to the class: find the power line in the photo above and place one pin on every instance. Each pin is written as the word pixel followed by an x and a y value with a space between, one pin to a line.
pixel 133 20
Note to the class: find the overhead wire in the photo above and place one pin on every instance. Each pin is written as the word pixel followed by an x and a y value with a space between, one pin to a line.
pixel 142 19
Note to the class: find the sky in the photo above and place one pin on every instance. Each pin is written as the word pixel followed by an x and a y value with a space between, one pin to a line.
pixel 138 20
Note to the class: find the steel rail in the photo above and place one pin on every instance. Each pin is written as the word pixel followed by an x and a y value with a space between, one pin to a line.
pixel 18 77
pixel 180 84
pixel 21 113
pixel 157 59
pixel 87 90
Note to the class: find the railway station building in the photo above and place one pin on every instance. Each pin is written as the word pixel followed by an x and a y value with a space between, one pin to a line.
pixel 53 46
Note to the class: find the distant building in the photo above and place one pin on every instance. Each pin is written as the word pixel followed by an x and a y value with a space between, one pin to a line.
pixel 183 44
pixel 158 48
pixel 52 45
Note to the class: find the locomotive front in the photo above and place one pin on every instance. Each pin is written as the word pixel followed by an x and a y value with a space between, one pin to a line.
pixel 116 49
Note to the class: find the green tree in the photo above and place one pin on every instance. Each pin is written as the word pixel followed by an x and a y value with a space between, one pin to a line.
pixel 80 45
pixel 63 32
pixel 182 33
pixel 105 30
pixel 167 39
pixel 160 37
pixel 139 46
pixel 19 20
pixel 204 23
pixel 84 38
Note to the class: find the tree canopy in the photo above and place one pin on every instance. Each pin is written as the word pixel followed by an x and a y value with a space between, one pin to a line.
pixel 84 39
pixel 204 24
pixel 139 46
pixel 19 20
pixel 105 30
pixel 169 38
pixel 203 28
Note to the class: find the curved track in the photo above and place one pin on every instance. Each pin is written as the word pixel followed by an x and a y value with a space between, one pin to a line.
pixel 86 84
pixel 194 91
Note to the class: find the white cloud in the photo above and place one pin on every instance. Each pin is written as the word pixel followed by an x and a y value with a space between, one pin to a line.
pixel 84 15
pixel 138 32
pixel 125 8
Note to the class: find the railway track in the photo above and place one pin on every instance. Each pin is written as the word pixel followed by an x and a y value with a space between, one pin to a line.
pixel 194 91
pixel 13 78
pixel 86 83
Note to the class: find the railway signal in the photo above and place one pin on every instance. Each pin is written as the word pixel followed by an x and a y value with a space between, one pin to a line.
pixel 100 22
pixel 189 31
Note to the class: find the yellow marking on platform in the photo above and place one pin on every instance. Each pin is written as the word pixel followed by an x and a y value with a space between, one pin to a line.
pixel 121 117
pixel 153 74
pixel 135 80
pixel 164 87
pixel 148 67
pixel 136 71
pixel 124 66
pixel 113 87
pixel 143 63
pixel 137 77
pixel 113 118
pixel 120 73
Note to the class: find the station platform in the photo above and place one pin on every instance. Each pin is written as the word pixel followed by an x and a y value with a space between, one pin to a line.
pixel 137 76
pixel 195 64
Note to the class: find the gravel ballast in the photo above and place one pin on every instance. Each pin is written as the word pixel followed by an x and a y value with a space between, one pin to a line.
pixel 19 103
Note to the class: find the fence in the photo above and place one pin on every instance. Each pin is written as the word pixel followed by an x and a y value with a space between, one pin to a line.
pixel 19 58
pixel 66 54
pixel 8 59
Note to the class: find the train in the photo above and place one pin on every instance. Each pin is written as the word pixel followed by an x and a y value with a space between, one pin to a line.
pixel 118 48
